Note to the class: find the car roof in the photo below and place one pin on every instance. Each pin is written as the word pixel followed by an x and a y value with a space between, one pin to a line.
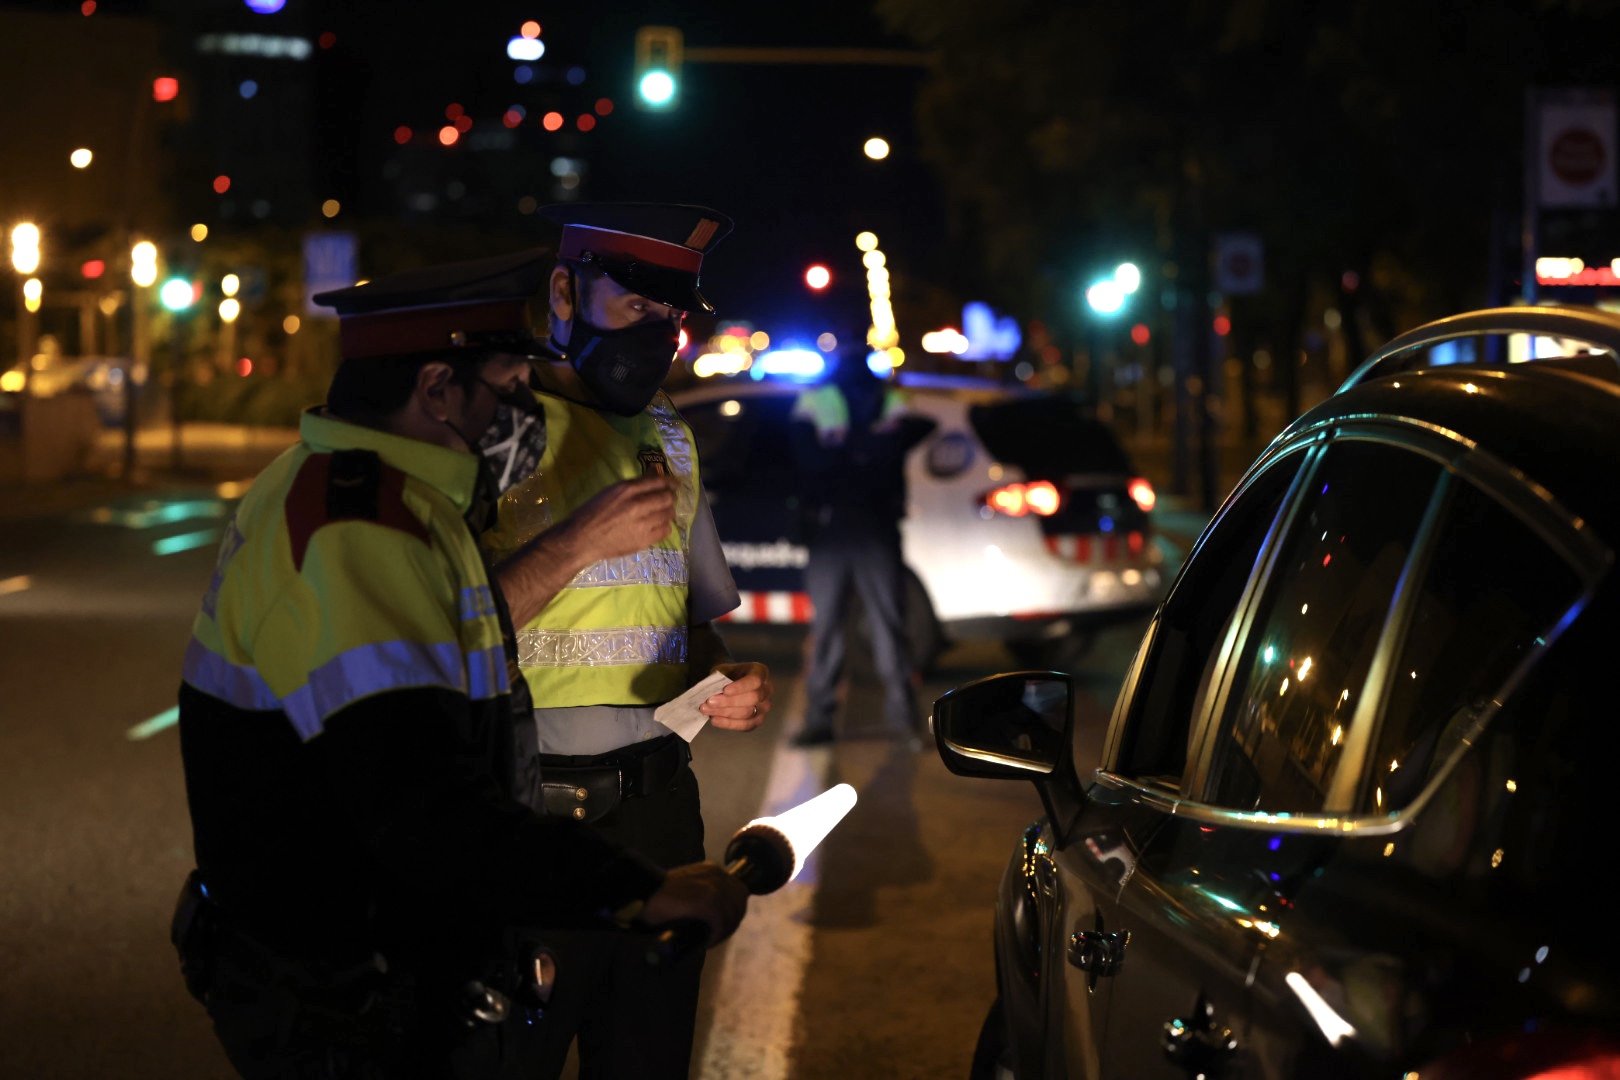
pixel 1556 421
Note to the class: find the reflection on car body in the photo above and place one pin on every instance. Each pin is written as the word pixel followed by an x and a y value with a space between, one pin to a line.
pixel 1348 810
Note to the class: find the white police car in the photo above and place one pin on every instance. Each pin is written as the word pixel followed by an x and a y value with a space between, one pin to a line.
pixel 1025 520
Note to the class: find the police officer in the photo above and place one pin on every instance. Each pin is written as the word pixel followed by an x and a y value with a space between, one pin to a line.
pixel 850 436
pixel 367 874
pixel 604 642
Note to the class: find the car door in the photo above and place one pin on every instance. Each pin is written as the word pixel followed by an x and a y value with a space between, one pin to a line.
pixel 1101 885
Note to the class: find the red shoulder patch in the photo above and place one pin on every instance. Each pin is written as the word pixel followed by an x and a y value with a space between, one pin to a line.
pixel 317 498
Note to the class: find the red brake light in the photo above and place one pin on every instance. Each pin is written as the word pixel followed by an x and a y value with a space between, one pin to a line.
pixel 1015 500
pixel 1552 1055
pixel 1141 493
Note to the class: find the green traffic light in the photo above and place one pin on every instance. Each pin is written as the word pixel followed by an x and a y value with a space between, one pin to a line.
pixel 657 88
pixel 176 294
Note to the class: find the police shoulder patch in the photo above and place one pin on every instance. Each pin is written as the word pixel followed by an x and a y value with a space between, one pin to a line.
pixel 349 485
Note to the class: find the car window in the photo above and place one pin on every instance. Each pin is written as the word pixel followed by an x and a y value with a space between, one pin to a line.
pixel 1302 667
pixel 1490 597
pixel 1048 436
pixel 1187 640
pixel 743 445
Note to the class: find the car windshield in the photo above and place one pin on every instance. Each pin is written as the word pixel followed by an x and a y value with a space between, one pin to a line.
pixel 1048 436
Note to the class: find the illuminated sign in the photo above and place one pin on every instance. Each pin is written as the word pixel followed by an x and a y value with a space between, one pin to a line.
pixel 989 336
pixel 1552 270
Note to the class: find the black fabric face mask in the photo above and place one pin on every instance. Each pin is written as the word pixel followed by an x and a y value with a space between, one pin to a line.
pixel 515 440
pixel 623 368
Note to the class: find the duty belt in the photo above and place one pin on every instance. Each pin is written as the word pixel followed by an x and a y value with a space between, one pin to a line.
pixel 586 786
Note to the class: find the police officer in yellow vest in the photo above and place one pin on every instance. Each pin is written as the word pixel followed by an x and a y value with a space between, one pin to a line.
pixel 605 645
pixel 369 876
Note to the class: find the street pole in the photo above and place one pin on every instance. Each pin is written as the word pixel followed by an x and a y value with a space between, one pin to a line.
pixel 140 357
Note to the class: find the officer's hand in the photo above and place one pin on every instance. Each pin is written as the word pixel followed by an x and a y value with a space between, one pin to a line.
pixel 625 518
pixel 701 891
pixel 742 705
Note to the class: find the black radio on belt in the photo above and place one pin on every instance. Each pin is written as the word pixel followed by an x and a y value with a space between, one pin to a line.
pixel 585 788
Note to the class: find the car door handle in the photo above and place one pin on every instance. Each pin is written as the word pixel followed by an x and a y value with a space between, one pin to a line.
pixel 1199 1044
pixel 1098 953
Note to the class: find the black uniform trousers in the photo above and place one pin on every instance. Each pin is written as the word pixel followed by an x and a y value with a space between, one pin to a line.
pixel 631 1020
pixel 856 550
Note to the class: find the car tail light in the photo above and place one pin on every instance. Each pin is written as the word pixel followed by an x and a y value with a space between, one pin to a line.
pixel 1039 497
pixel 1550 1055
pixel 1141 493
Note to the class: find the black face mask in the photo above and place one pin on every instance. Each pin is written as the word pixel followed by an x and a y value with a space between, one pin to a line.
pixel 508 451
pixel 622 368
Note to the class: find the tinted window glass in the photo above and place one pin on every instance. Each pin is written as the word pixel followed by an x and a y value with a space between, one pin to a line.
pixel 1048 436
pixel 743 445
pixel 1491 594
pixel 1191 627
pixel 1326 603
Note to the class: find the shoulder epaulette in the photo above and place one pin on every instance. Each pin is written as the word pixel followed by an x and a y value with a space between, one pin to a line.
pixel 349 485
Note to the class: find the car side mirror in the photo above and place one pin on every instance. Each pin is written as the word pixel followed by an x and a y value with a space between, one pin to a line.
pixel 1010 727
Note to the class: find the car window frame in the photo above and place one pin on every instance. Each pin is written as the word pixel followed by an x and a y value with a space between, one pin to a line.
pixel 1462 461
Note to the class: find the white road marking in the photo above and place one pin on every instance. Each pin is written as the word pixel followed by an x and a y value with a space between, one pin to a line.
pixel 757 1000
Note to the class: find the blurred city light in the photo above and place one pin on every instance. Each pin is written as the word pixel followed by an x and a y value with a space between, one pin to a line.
pixel 330 208
pixel 877 149
pixel 1128 277
pixel 290 325
pixel 93 268
pixel 827 342
pixel 1106 297
pixel 1223 326
pixel 80 158
pixel 402 135
pixel 818 277
pixel 13 381
pixel 759 341
pixel 143 269
pixel 230 308
pixel 604 106
pixel 199 232
pixel 1140 334
pixel 244 367
pixel 879 363
pixel 448 135
pixel 33 293
pixel 874 259
pixel 165 88
pixel 552 121
pixel 791 364
pixel 657 88
pixel 222 184
pixel 721 363
pixel 866 241
pixel 25 242
pixel 229 285
pixel 176 294
pixel 529 29
pixel 266 7
pixel 525 50
pixel 946 340
pixel 247 88
pixel 585 122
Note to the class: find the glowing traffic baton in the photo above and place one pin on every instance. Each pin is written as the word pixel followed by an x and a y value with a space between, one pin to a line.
pixel 764 855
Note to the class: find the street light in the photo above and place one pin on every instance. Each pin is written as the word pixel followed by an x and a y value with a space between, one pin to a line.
pixel 876 148
pixel 177 295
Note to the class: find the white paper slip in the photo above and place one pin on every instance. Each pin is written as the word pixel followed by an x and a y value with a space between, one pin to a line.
pixel 681 715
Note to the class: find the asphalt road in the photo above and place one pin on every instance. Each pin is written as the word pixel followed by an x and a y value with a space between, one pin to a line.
pixel 875 962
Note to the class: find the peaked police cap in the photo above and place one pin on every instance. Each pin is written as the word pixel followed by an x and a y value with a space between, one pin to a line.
pixel 483 304
pixel 653 249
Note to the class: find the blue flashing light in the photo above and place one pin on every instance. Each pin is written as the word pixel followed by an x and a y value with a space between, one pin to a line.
pixel 266 7
pixel 793 363
pixel 523 74
pixel 525 50
pixel 1275 843
pixel 880 363
pixel 1105 523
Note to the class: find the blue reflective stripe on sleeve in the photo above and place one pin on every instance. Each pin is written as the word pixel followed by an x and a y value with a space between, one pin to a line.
pixel 476 601
pixel 372 669
pixel 231 683
pixel 486 673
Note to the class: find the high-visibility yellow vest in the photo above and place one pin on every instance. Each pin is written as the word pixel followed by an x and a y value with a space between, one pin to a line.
pixel 348 571
pixel 617 633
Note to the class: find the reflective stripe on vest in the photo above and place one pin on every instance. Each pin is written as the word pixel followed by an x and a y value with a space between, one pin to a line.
pixel 616 646
pixel 649 566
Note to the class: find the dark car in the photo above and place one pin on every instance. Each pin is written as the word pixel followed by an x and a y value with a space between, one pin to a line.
pixel 1352 811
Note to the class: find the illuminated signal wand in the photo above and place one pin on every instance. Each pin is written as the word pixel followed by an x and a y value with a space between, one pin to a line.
pixel 764 855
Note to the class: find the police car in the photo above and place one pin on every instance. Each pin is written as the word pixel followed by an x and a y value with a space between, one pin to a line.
pixel 1025 522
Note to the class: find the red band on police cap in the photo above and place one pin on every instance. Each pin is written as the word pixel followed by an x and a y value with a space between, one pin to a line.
pixel 403 331
pixel 579 239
